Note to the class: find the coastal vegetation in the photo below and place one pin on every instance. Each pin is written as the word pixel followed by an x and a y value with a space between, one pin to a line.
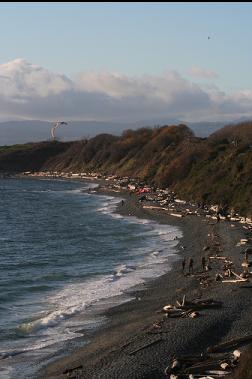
pixel 217 169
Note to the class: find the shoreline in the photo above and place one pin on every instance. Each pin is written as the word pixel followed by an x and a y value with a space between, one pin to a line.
pixel 108 353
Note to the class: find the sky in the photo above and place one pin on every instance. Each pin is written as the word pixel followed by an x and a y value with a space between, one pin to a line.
pixel 125 61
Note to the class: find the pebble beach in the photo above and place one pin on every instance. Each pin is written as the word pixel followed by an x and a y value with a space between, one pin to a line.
pixel 138 341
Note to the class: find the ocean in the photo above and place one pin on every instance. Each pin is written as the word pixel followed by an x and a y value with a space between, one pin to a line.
pixel 66 256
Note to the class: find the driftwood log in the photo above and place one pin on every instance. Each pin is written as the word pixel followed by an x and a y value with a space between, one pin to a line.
pixel 230 344
pixel 201 366
pixel 145 346
pixel 190 308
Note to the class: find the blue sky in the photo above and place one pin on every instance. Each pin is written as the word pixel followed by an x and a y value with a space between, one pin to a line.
pixel 133 39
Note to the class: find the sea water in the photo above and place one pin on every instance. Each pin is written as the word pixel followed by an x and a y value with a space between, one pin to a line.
pixel 66 255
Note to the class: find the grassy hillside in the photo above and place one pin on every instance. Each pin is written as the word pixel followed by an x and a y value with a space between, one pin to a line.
pixel 217 169
pixel 30 156
pixel 224 171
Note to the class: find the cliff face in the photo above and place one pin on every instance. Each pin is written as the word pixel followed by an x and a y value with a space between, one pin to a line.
pixel 217 169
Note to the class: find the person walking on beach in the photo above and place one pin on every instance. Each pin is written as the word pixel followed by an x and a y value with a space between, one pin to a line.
pixel 203 262
pixel 183 265
pixel 190 265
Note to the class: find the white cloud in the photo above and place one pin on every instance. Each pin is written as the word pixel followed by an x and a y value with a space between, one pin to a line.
pixel 200 72
pixel 20 79
pixel 30 91
pixel 156 88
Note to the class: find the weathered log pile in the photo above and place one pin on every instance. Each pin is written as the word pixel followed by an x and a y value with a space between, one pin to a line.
pixel 189 308
pixel 202 366
pixel 225 266
pixel 217 362
pixel 228 274
pixel 220 360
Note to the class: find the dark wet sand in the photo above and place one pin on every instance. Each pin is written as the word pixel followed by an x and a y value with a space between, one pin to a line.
pixel 109 355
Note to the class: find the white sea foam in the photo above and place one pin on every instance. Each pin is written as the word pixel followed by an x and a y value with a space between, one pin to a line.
pixel 109 206
pixel 59 323
pixel 123 269
pixel 77 297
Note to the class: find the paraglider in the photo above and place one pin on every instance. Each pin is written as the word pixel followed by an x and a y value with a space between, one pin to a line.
pixel 55 126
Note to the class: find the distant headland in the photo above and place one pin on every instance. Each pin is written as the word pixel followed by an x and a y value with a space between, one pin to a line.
pixel 213 170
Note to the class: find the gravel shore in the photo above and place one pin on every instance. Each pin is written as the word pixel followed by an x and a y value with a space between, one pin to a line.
pixel 110 355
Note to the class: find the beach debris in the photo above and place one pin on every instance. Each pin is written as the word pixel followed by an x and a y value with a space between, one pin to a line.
pixel 205 248
pixel 183 301
pixel 193 314
pixel 243 241
pixel 202 366
pixel 238 276
pixel 70 370
pixel 174 367
pixel 237 354
pixel 178 312
pixel 189 309
pixel 204 303
pixel 168 307
pixel 245 275
pixel 145 346
pixel 176 214
pixel 230 344
pixel 224 365
pixel 227 273
pixel 238 280
pixel 234 280
pixel 205 281
pixel 220 373
pixel 218 257
pixel 201 377
pixel 154 207
pixel 245 264
pixel 126 344
pixel 156 325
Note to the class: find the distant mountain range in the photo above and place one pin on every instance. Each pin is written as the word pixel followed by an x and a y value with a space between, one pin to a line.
pixel 15 132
